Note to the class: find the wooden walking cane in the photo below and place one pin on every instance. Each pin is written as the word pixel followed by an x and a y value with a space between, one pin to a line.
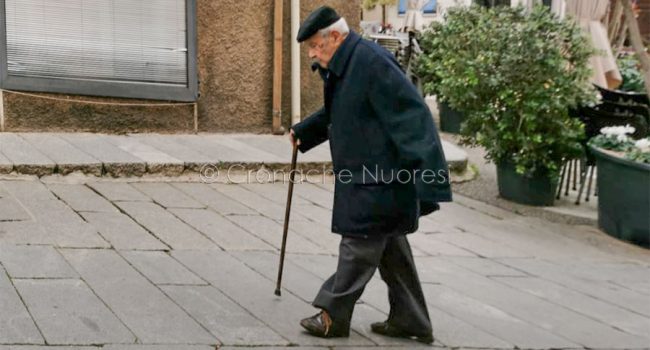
pixel 292 175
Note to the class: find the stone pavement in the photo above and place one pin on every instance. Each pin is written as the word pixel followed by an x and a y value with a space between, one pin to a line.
pixel 89 263
pixel 170 155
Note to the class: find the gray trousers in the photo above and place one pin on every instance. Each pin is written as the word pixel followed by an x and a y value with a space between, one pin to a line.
pixel 358 260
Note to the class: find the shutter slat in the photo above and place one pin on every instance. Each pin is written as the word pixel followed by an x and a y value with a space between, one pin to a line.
pixel 117 40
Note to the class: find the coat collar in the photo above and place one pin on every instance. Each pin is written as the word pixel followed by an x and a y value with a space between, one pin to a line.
pixel 342 55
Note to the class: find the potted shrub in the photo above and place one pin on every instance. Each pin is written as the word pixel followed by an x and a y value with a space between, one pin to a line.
pixel 623 184
pixel 515 74
pixel 443 45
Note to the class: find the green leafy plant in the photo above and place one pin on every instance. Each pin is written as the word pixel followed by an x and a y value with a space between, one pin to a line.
pixel 616 139
pixel 631 73
pixel 515 74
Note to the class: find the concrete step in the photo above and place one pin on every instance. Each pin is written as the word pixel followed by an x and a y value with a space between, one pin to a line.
pixel 44 154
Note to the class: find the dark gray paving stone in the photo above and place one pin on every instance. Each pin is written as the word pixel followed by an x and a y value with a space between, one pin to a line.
pixel 480 245
pixel 204 145
pixel 6 165
pixel 252 153
pixel 431 245
pixel 122 232
pixel 254 201
pixel 167 195
pixel 67 157
pixel 118 191
pixel 142 307
pixel 485 267
pixel 66 227
pixel 316 233
pixel 67 312
pixel 25 157
pixel 609 271
pixel 434 224
pixel 226 320
pixel 322 266
pixel 156 347
pixel 492 320
pixel 271 232
pixel 277 348
pixel 214 199
pixel 70 231
pixel 607 292
pixel 315 194
pixel 24 232
pixel 221 231
pixel 15 321
pixel 166 226
pixel 604 312
pixel 34 262
pixel 82 198
pixel 116 161
pixel 255 293
pixel 639 287
pixel 24 189
pixel 276 192
pixel 191 157
pixel 157 161
pixel 160 268
pixel 45 347
pixel 11 210
pixel 551 317
pixel 312 213
pixel 281 147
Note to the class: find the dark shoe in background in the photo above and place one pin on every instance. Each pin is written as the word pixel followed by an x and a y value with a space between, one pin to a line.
pixel 386 329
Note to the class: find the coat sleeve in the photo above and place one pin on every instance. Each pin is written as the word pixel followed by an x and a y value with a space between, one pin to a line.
pixel 408 122
pixel 312 131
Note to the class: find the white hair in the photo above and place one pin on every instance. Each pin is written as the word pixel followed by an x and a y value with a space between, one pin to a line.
pixel 340 26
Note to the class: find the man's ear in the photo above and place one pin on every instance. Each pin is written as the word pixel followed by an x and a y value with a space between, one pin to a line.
pixel 335 35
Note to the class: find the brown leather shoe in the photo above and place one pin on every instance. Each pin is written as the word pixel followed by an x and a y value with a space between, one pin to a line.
pixel 386 329
pixel 321 325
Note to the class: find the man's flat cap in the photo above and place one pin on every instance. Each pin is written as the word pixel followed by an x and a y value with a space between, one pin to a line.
pixel 321 18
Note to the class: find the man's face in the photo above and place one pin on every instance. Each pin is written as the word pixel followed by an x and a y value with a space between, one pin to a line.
pixel 322 48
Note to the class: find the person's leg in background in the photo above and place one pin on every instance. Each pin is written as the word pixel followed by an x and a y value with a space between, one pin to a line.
pixel 408 315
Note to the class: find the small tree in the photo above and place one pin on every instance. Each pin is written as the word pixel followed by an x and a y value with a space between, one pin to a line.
pixel 370 4
pixel 515 75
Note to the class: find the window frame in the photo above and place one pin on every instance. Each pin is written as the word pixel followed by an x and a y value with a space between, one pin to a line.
pixel 124 89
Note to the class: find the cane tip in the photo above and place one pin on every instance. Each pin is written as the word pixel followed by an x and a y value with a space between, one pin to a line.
pixel 277 292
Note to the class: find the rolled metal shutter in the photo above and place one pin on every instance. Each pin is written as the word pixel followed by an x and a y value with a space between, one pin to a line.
pixel 140 41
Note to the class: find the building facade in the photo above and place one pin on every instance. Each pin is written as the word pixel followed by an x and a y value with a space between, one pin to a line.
pixel 156 66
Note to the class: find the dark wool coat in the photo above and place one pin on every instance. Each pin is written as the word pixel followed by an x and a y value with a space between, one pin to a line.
pixel 386 151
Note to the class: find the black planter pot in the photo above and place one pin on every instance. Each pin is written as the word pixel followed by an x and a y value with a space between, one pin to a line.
pixel 450 119
pixel 623 197
pixel 538 190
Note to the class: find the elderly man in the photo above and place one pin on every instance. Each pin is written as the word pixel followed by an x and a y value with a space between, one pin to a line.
pixel 390 169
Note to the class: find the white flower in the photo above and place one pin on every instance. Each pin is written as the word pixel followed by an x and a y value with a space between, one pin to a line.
pixel 622 138
pixel 616 131
pixel 643 144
